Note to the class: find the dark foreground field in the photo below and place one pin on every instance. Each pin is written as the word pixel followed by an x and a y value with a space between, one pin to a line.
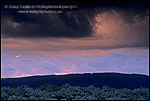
pixel 67 92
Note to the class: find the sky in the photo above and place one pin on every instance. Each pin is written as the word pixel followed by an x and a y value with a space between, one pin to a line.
pixel 96 37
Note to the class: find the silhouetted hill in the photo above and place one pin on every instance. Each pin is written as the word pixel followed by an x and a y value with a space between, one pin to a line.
pixel 115 80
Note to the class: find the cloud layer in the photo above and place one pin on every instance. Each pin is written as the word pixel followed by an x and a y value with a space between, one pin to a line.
pixel 123 61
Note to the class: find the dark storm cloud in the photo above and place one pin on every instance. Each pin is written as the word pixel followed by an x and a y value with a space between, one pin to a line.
pixel 72 24
pixel 67 24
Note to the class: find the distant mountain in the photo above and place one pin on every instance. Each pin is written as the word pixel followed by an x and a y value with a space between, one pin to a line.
pixel 115 80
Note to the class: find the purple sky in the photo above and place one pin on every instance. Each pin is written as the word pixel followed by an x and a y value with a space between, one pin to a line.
pixel 102 39
pixel 128 60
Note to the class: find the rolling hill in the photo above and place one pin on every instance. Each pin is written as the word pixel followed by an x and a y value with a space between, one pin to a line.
pixel 115 80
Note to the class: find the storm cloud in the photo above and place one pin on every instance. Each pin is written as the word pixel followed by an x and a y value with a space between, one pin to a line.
pixel 68 24
pixel 71 23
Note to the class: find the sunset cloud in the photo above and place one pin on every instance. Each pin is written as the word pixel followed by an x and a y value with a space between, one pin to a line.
pixel 61 46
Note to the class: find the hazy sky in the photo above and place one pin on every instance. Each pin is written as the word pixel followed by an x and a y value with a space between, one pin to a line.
pixel 95 37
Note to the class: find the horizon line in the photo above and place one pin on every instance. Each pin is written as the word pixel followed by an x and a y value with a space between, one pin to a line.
pixel 72 74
